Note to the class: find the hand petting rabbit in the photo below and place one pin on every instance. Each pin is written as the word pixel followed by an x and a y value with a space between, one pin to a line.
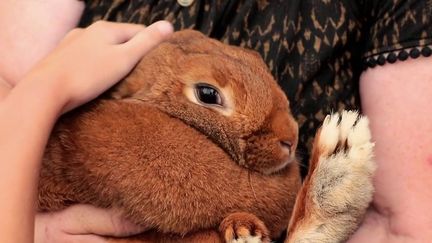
pixel 198 144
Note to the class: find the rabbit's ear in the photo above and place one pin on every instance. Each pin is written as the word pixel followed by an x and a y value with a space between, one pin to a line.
pixel 185 37
pixel 157 63
pixel 130 85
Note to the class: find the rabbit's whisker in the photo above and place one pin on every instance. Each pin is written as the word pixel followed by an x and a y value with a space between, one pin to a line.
pixel 301 164
pixel 251 186
pixel 299 155
pixel 135 98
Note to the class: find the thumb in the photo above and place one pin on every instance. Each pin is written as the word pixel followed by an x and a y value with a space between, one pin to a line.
pixel 147 39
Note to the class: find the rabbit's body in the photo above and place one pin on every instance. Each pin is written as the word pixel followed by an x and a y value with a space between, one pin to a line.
pixel 198 145
pixel 173 181
pixel 171 162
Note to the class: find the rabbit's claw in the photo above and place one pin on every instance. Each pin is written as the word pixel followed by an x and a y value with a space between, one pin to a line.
pixel 342 178
pixel 338 188
pixel 244 228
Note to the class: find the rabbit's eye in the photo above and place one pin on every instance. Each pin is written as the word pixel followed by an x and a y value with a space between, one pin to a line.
pixel 208 94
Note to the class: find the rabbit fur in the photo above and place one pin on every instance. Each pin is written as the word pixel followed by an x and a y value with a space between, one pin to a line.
pixel 172 163
pixel 172 156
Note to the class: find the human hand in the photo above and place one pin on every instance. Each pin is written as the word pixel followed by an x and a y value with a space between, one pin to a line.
pixel 89 61
pixel 86 62
pixel 82 223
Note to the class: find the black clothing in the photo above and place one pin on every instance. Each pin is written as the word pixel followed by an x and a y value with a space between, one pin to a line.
pixel 316 49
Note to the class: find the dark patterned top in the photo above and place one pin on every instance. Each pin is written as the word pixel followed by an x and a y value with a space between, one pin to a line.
pixel 316 49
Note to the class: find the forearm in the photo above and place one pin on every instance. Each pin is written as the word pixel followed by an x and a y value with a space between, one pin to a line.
pixel 398 98
pixel 27 116
pixel 84 64
pixel 30 30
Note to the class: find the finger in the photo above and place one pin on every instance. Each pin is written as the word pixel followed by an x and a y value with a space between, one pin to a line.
pixel 147 39
pixel 41 226
pixel 47 231
pixel 86 219
pixel 116 33
pixel 86 238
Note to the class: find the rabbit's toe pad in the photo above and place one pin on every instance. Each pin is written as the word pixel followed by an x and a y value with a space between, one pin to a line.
pixel 342 179
pixel 244 228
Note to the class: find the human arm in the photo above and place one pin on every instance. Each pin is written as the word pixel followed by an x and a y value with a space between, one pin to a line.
pixel 397 99
pixel 86 63
pixel 30 30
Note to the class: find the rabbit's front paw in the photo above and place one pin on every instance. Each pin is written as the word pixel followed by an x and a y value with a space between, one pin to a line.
pixel 342 179
pixel 338 188
pixel 243 228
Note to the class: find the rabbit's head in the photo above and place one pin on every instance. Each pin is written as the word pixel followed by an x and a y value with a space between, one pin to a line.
pixel 225 92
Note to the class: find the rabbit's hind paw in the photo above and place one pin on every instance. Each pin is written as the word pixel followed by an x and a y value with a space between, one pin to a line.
pixel 244 228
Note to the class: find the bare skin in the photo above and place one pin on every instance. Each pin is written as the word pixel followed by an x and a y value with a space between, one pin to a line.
pixel 32 36
pixel 394 97
pixel 397 99
pixel 36 99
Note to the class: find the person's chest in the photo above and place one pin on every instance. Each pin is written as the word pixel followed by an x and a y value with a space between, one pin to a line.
pixel 294 37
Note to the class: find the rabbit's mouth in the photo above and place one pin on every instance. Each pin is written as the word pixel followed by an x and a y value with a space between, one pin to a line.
pixel 277 168
pixel 267 153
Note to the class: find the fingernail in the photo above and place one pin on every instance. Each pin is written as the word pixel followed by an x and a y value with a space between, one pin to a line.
pixel 165 27
pixel 134 228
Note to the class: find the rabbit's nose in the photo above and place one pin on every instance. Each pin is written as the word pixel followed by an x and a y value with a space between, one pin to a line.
pixel 286 147
pixel 286 144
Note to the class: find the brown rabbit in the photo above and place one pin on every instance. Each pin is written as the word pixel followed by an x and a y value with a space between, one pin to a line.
pixel 198 144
